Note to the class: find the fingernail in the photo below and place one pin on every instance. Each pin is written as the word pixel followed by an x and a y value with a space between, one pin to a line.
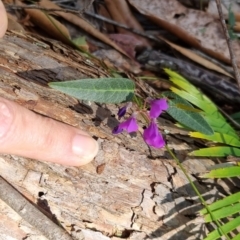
pixel 5 119
pixel 84 147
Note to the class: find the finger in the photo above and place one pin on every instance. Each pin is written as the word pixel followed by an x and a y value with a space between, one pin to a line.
pixel 3 20
pixel 27 134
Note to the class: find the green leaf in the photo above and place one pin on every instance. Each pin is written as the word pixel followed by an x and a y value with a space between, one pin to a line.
pixel 229 200
pixel 219 124
pixel 191 93
pixel 190 119
pixel 218 137
pixel 233 224
pixel 103 90
pixel 216 152
pixel 194 99
pixel 237 237
pixel 236 116
pixel 231 18
pixel 223 212
pixel 226 172
pixel 81 42
pixel 188 108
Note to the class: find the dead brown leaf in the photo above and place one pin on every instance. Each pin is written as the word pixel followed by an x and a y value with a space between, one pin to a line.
pixel 197 28
pixel 120 12
pixel 127 42
pixel 81 23
pixel 13 24
pixel 49 24
pixel 196 58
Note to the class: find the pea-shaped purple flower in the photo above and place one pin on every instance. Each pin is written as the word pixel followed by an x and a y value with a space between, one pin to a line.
pixel 157 106
pixel 152 136
pixel 130 125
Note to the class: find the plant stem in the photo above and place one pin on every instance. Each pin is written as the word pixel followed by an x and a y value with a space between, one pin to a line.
pixel 197 192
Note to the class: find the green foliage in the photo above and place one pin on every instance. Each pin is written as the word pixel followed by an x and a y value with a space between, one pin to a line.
pixel 226 172
pixel 236 117
pixel 223 131
pixel 228 227
pixel 190 118
pixel 80 41
pixel 218 137
pixel 227 142
pixel 231 24
pixel 216 152
pixel 103 90
pixel 222 209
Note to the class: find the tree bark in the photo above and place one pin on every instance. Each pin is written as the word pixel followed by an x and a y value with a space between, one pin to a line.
pixel 129 191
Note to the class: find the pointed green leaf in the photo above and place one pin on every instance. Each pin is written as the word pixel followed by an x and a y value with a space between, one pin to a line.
pixel 191 93
pixel 223 212
pixel 237 237
pixel 218 137
pixel 194 99
pixel 229 200
pixel 188 108
pixel 103 90
pixel 228 227
pixel 81 42
pixel 219 124
pixel 190 119
pixel 231 18
pixel 227 172
pixel 216 152
pixel 236 117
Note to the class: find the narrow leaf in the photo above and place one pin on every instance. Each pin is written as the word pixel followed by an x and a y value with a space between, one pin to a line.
pixel 222 203
pixel 233 224
pixel 219 124
pixel 190 119
pixel 194 99
pixel 236 116
pixel 223 212
pixel 103 90
pixel 216 152
pixel 191 93
pixel 227 172
pixel 218 137
pixel 231 18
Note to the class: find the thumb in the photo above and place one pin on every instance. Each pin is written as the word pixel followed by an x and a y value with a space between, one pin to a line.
pixel 3 20
pixel 27 134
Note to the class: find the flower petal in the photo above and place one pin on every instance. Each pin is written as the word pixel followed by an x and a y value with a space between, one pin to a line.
pixel 130 125
pixel 157 106
pixel 122 111
pixel 152 136
pixel 117 130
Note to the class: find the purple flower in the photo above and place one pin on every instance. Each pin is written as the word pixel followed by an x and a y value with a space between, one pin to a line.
pixel 122 111
pixel 130 125
pixel 152 136
pixel 157 106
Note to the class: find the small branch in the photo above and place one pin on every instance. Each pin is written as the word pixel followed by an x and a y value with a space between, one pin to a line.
pixel 229 42
pixel 30 213
pixel 99 17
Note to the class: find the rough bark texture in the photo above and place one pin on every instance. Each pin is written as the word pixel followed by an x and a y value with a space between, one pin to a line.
pixel 128 191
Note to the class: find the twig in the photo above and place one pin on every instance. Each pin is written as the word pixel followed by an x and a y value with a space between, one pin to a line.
pixel 229 43
pixel 30 213
pixel 99 17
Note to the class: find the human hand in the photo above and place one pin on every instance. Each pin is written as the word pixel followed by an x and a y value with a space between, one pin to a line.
pixel 27 134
